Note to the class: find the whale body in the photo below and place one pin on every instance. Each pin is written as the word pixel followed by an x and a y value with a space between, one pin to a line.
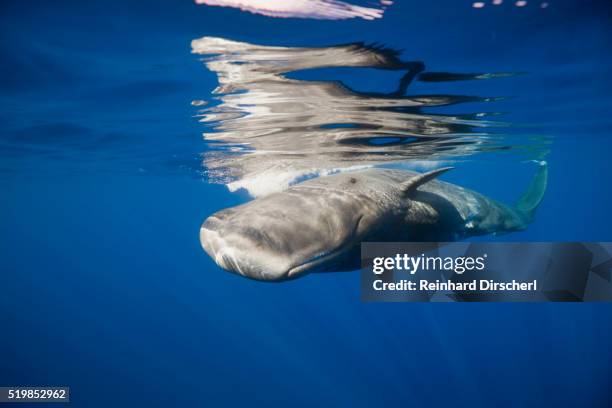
pixel 318 225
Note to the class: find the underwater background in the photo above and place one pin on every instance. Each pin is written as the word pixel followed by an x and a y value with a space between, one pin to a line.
pixel 104 184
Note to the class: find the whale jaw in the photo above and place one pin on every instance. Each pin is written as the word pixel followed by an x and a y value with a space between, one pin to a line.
pixel 253 255
pixel 255 265
pixel 240 259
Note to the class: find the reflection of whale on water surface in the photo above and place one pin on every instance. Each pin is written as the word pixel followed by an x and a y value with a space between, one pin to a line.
pixel 270 130
pixel 318 9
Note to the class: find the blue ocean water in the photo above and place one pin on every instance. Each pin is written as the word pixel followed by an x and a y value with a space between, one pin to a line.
pixel 104 286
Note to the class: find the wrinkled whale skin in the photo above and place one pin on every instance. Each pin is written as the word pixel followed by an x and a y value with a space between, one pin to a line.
pixel 318 225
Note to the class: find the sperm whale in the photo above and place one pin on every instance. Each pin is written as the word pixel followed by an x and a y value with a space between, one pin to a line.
pixel 318 225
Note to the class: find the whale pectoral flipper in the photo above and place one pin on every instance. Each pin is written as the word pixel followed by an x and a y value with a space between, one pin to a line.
pixel 410 186
pixel 533 195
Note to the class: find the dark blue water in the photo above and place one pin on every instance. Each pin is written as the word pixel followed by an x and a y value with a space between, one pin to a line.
pixel 104 286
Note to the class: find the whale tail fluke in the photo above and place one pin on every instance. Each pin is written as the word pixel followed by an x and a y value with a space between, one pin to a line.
pixel 532 197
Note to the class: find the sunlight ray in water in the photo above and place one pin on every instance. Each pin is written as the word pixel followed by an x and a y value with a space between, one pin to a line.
pixel 268 131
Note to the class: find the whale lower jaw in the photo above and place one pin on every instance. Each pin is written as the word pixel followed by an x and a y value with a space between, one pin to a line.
pixel 313 263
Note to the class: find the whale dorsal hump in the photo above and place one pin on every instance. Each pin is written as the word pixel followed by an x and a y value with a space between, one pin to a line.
pixel 410 186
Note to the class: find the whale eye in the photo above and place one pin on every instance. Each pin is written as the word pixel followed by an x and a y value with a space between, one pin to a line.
pixel 352 180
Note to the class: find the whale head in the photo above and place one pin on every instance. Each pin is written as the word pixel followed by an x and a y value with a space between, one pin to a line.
pixel 285 235
pixel 313 226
